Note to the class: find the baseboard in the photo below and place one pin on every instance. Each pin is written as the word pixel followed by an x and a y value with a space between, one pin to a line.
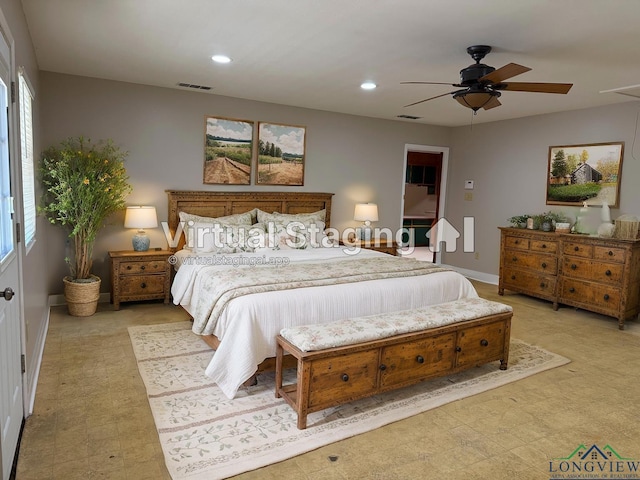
pixel 58 300
pixel 480 276
pixel 35 374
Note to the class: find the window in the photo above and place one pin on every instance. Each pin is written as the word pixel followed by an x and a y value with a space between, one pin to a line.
pixel 26 150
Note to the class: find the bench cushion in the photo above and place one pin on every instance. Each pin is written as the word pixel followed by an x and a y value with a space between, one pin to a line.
pixel 351 331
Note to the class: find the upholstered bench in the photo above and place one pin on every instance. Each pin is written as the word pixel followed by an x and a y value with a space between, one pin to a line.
pixel 342 361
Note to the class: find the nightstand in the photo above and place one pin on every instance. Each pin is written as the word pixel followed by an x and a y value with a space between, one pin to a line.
pixel 140 276
pixel 384 246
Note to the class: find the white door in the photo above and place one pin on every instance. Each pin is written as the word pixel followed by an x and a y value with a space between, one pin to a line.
pixel 11 408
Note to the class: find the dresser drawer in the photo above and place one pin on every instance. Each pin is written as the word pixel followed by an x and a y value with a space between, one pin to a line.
pixel 477 344
pixel 517 242
pixel 542 263
pixel 610 273
pixel 141 285
pixel 578 249
pixel 609 254
pixel 135 268
pixel 528 281
pixel 590 294
pixel 341 378
pixel 418 359
pixel 544 246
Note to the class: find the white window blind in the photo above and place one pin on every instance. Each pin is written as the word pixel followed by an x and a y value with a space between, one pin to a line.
pixel 28 168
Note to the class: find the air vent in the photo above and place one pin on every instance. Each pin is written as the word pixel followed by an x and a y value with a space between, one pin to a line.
pixel 193 86
pixel 409 117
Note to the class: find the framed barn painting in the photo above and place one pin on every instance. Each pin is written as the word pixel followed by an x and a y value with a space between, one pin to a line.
pixel 228 151
pixel 281 154
pixel 590 174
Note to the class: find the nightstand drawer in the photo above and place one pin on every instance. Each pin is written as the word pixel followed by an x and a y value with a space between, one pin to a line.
pixel 142 285
pixel 136 268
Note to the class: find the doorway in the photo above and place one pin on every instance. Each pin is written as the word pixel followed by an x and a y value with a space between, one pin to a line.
pixel 423 195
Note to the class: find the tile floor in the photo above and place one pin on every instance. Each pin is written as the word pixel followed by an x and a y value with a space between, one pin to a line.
pixel 92 419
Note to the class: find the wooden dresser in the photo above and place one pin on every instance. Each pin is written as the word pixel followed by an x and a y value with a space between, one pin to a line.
pixel 140 276
pixel 597 274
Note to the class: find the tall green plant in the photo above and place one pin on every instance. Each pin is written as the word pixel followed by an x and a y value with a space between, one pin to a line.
pixel 83 184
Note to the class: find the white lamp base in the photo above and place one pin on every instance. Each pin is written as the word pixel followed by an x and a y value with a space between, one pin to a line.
pixel 141 241
pixel 364 234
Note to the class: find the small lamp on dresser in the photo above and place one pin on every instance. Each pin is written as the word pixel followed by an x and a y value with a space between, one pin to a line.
pixel 141 217
pixel 367 213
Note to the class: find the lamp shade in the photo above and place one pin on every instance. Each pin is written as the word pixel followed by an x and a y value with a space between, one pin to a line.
pixel 140 217
pixel 366 212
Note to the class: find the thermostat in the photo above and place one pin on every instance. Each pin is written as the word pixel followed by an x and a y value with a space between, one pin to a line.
pixel 468 185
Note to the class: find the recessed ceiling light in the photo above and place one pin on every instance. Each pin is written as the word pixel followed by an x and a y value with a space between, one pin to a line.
pixel 220 59
pixel 368 86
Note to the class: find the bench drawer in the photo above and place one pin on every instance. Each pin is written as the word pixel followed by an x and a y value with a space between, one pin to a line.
pixel 341 378
pixel 409 361
pixel 478 344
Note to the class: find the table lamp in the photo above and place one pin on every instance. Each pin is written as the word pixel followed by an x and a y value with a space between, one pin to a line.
pixel 367 213
pixel 141 217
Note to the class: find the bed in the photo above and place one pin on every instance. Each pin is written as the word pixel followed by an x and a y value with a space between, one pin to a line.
pixel 237 307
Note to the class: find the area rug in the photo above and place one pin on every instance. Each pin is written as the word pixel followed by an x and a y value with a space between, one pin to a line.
pixel 204 435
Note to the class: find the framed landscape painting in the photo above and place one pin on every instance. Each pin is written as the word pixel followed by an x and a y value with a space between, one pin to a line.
pixel 281 154
pixel 590 174
pixel 228 151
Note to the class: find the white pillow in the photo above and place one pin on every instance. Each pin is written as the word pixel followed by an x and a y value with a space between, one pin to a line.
pixel 190 219
pixel 285 218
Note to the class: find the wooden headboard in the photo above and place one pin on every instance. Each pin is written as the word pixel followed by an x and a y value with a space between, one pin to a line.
pixel 220 204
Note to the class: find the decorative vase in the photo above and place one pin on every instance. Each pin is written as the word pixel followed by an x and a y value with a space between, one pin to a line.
pixel 546 226
pixel 82 295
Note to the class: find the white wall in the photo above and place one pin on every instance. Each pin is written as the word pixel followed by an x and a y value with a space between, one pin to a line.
pixel 358 159
pixel 508 161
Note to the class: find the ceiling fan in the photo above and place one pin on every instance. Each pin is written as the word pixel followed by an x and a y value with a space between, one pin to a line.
pixel 480 85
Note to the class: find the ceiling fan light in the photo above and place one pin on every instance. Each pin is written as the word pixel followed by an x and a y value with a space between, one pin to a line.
pixel 474 100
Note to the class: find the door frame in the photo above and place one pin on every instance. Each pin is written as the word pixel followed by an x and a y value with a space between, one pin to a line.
pixel 409 147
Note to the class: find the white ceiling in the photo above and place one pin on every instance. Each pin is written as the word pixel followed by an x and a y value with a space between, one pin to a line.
pixel 316 53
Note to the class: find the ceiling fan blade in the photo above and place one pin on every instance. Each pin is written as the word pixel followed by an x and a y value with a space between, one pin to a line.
pixel 431 98
pixel 430 83
pixel 535 87
pixel 493 103
pixel 502 73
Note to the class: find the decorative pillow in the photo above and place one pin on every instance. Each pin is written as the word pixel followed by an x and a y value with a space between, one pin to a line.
pixel 294 235
pixel 190 219
pixel 221 238
pixel 284 218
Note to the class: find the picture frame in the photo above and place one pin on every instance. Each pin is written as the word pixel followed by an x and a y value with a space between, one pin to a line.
pixel 281 154
pixel 228 151
pixel 579 174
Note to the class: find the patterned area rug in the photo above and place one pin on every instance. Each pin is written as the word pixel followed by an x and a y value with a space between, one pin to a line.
pixel 204 435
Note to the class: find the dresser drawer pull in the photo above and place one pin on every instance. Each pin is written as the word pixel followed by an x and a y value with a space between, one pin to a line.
pixel 608 273
pixel 573 266
pixel 143 285
pixel 345 377
pixel 610 253
pixel 515 259
pixel 577 249
pixel 544 245
pixel 484 342
pixel 517 242
pixel 572 290
pixel 542 285
pixel 458 349
pixel 606 296
pixel 128 267
pixel 513 277
pixel 142 267
pixel 420 359
pixel 382 367
pixel 544 265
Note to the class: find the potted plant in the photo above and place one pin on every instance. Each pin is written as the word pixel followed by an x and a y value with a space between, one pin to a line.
pixel 84 183
pixel 519 221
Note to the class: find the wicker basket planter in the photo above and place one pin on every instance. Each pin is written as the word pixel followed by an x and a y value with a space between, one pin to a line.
pixel 82 296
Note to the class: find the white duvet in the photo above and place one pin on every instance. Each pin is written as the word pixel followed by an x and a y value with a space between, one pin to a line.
pixel 249 324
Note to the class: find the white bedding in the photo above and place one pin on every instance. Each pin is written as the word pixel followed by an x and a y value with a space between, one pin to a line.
pixel 249 324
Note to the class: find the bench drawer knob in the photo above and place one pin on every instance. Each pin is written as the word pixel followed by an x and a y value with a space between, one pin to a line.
pixel 382 367
pixel 345 377
pixel 484 342
pixel 458 349
pixel 420 359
